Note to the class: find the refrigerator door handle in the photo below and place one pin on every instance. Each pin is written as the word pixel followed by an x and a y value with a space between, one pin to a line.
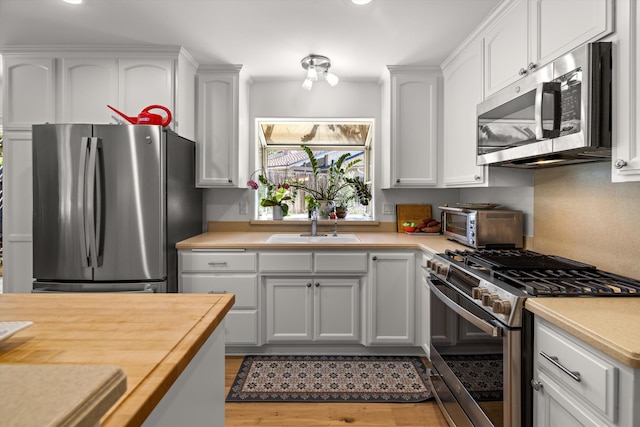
pixel 90 218
pixel 82 211
pixel 99 203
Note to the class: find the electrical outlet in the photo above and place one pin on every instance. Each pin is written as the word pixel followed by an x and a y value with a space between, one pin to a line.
pixel 388 209
pixel 242 208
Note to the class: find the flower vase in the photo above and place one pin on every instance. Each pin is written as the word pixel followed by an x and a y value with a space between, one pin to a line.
pixel 277 213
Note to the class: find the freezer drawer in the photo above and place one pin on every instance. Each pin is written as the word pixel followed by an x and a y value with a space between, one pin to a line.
pixel 139 287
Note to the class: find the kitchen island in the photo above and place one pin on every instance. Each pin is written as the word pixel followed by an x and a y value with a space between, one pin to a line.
pixel 170 346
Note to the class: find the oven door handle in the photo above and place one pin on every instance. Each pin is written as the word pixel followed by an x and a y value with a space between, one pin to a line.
pixel 486 327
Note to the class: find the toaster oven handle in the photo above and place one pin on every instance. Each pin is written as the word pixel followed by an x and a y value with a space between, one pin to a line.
pixel 548 97
pixel 484 326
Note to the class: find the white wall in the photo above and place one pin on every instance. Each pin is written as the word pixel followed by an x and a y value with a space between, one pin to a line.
pixel 287 99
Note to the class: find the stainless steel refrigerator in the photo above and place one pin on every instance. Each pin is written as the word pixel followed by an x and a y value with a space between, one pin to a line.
pixel 109 204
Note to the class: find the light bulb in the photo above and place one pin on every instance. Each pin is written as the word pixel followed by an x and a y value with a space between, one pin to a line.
pixel 331 78
pixel 307 84
pixel 312 73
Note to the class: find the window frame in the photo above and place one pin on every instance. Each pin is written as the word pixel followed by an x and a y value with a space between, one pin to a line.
pixel 263 146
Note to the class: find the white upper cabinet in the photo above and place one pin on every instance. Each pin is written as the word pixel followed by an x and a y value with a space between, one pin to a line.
pixel 222 128
pixel 527 34
pixel 559 26
pixel 145 82
pixel 463 91
pixel 506 48
pixel 87 86
pixel 29 91
pixel 411 102
pixel 625 157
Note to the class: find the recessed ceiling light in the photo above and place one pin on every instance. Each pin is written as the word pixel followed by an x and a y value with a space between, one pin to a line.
pixel 360 2
pixel 73 1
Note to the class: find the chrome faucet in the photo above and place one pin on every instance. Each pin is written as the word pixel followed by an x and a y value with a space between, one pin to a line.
pixel 314 221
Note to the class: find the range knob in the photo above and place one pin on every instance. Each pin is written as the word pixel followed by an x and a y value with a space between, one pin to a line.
pixel 477 292
pixel 442 269
pixel 489 298
pixel 501 306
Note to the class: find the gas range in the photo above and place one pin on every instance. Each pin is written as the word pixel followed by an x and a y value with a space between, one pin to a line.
pixel 500 280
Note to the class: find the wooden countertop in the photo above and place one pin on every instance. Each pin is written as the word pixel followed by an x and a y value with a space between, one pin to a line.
pixel 608 324
pixel 151 337
pixel 375 240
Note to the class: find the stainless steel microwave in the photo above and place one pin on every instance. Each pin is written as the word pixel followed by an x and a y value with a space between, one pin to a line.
pixel 489 228
pixel 559 114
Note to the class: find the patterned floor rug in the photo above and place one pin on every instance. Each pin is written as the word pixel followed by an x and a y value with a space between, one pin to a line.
pixel 330 379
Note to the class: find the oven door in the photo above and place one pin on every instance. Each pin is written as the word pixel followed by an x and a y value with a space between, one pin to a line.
pixel 475 374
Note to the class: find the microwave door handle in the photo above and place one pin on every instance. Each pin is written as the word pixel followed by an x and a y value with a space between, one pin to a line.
pixel 548 97
pixel 485 327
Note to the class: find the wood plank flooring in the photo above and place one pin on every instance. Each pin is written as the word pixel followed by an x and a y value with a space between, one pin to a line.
pixel 424 414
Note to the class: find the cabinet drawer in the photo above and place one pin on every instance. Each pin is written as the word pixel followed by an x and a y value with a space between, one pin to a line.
pixel 346 262
pixel 286 262
pixel 241 327
pixel 598 378
pixel 245 287
pixel 217 261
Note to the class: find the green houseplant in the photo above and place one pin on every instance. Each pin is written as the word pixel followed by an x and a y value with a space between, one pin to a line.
pixel 337 184
pixel 275 195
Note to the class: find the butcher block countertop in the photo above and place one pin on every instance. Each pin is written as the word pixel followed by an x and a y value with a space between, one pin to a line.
pixel 370 240
pixel 151 337
pixel 608 324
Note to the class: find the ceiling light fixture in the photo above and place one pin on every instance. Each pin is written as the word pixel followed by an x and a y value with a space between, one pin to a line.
pixel 360 2
pixel 317 65
pixel 73 1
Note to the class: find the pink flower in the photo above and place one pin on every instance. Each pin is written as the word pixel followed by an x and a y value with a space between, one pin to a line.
pixel 251 183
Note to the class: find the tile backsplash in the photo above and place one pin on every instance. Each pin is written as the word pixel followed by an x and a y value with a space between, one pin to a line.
pixel 580 214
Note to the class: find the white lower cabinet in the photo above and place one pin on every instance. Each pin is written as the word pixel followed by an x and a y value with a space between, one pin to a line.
pixel 304 309
pixel 577 385
pixel 226 272
pixel 391 298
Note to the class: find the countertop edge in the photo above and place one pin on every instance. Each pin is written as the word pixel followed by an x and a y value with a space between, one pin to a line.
pixel 596 340
pixel 137 406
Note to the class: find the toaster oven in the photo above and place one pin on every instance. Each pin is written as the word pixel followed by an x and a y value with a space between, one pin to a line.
pixel 483 228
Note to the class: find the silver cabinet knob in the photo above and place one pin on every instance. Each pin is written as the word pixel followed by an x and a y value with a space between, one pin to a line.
pixel 619 164
pixel 477 177
pixel 375 258
pixel 531 66
pixel 537 385
pixel 523 72
pixel 317 284
pixel 309 285
pixel 398 181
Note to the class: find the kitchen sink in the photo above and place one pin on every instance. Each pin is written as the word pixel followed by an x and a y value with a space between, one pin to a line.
pixel 306 238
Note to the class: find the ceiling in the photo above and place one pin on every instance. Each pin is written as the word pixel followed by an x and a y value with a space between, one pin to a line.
pixel 269 37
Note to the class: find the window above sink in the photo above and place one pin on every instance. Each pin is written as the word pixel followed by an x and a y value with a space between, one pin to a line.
pixel 282 158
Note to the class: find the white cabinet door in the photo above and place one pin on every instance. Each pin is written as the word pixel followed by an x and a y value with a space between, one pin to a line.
pixel 336 309
pixel 87 86
pixel 144 82
pixel 552 407
pixel 411 154
pixel 559 26
pixel 506 48
pixel 391 296
pixel 221 140
pixel 29 91
pixel 289 309
pixel 463 91
pixel 625 156
pixel 312 309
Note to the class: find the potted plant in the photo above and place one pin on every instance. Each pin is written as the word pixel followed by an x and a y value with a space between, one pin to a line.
pixel 275 195
pixel 335 185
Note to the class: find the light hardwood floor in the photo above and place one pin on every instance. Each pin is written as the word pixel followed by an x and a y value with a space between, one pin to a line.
pixel 425 414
